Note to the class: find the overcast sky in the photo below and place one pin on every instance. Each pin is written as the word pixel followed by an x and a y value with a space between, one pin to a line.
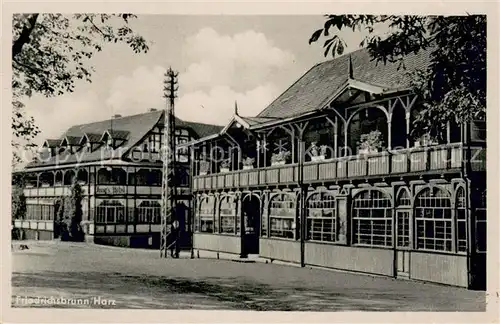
pixel 220 59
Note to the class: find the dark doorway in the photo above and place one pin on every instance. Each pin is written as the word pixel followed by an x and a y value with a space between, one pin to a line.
pixel 251 219
pixel 182 214
pixel 398 128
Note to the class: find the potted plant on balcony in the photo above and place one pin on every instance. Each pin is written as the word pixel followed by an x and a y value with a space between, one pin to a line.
pixel 370 143
pixel 426 140
pixel 280 158
pixel 318 153
pixel 225 165
pixel 204 166
pixel 248 163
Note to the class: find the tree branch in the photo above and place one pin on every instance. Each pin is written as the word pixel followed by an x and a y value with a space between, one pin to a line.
pixel 25 35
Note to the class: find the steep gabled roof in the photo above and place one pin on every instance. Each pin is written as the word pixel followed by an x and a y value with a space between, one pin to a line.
pixel 200 129
pixel 132 129
pixel 137 126
pixel 314 88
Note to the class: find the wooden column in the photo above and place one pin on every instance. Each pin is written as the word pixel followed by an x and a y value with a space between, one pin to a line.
pixel 241 219
pixel 264 149
pixel 448 133
pixel 345 139
pixel 257 155
pixel 335 137
pixel 303 192
pixel 389 131
pixel 211 159
pixel 408 132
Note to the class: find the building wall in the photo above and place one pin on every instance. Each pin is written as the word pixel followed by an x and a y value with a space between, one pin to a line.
pixel 126 213
pixel 416 228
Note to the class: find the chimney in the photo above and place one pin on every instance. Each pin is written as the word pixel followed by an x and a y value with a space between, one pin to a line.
pixel 117 116
pixel 152 109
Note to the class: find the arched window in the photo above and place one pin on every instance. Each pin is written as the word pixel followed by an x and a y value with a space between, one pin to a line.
pixel 82 176
pixel 282 216
pixel 461 219
pixel 148 212
pixel 206 214
pixel 110 212
pixel 433 220
pixel 227 214
pixel 321 217
pixel 372 219
pixel 69 175
pixel 58 178
pixel 403 212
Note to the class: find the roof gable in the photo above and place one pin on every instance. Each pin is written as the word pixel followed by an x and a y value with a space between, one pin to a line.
pixel 51 143
pixel 70 140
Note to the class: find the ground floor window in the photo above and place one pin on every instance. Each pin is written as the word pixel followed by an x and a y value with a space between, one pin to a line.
pixel 110 212
pixel 321 217
pixel 148 212
pixel 42 212
pixel 227 215
pixel 433 220
pixel 282 214
pixel 372 219
pixel 206 215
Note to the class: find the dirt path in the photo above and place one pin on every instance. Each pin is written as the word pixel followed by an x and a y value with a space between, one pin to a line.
pixel 139 279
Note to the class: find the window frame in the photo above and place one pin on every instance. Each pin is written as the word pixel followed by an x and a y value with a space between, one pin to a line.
pixel 232 217
pixel 421 218
pixel 291 219
pixel 206 215
pixel 367 206
pixel 311 220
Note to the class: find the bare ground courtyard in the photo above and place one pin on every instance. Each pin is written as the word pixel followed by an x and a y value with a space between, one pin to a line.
pixel 140 279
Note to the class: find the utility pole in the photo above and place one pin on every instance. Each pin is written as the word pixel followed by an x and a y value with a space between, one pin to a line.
pixel 169 190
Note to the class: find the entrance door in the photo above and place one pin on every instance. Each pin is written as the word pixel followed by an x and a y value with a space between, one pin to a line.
pixel 403 243
pixel 251 218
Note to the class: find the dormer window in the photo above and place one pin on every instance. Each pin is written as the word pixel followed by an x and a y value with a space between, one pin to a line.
pixel 114 138
pixel 48 148
pixel 90 141
pixel 70 144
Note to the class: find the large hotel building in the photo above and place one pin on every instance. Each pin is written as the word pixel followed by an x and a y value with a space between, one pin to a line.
pixel 327 175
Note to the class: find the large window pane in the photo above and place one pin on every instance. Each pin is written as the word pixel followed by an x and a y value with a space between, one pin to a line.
pixel 372 219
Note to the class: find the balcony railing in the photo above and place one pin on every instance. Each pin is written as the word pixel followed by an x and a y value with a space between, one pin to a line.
pixel 415 160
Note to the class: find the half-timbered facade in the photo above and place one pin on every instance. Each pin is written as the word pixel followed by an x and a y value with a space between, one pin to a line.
pixel 118 165
pixel 330 175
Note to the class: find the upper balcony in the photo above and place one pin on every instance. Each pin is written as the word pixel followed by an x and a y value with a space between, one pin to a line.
pixel 437 159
